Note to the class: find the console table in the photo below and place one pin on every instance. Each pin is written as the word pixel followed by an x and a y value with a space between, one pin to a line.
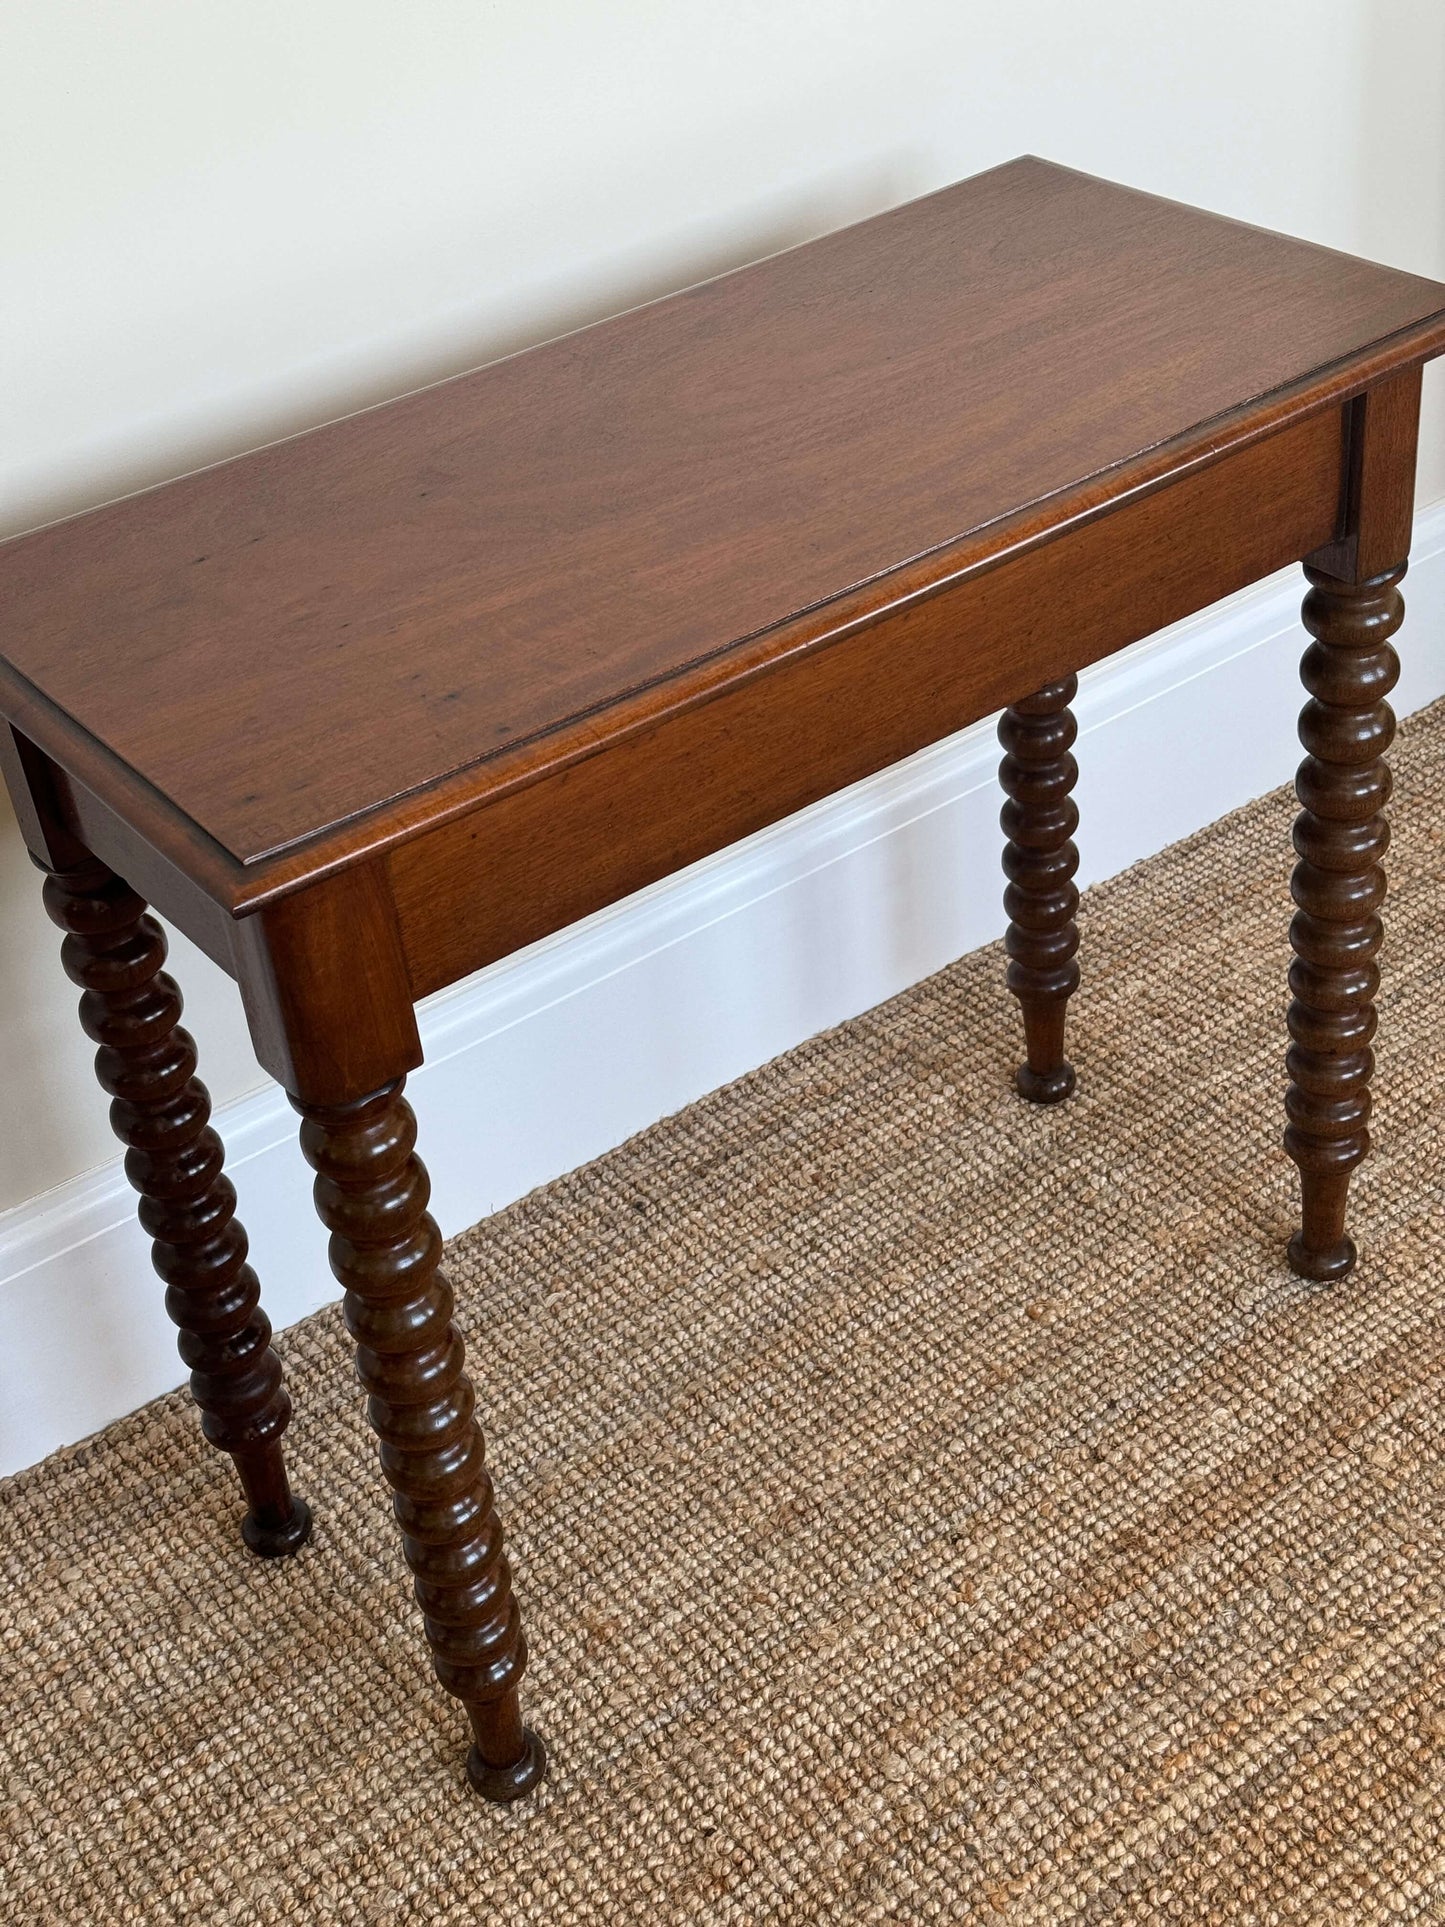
pixel 367 709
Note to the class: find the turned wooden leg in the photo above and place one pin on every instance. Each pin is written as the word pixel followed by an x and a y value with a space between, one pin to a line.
pixel 1039 859
pixel 371 1192
pixel 114 951
pixel 1338 886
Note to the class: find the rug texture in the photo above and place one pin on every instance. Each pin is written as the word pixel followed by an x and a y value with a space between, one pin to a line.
pixel 925 1508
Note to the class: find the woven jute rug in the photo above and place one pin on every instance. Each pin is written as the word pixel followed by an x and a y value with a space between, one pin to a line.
pixel 925 1508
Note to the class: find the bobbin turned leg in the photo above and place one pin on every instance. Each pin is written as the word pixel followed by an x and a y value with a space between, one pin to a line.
pixel 114 951
pixel 1338 886
pixel 1039 859
pixel 327 988
pixel 371 1192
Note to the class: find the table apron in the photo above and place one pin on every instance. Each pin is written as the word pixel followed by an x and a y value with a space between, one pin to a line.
pixel 516 869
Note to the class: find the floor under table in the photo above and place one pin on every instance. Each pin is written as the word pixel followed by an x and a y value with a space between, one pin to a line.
pixel 925 1508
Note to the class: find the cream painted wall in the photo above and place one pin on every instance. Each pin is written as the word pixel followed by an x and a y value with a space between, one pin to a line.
pixel 224 222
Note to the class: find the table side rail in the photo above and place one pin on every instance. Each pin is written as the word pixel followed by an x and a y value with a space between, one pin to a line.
pixel 533 860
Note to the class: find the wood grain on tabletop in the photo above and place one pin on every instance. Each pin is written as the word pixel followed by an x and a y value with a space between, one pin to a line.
pixel 282 641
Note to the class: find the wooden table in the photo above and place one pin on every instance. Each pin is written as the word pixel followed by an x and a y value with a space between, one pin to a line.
pixel 368 709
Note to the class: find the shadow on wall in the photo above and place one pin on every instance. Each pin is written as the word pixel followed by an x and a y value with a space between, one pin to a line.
pixel 359 375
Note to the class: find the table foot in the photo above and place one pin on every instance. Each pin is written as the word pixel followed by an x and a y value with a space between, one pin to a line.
pixel 273 1538
pixel 1047 1087
pixel 503 1784
pixel 1323 1264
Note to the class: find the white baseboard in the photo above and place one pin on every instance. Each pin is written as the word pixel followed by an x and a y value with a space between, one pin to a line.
pixel 556 1054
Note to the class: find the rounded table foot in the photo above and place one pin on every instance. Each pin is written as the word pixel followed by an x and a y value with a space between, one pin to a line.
pixel 504 1783
pixel 278 1541
pixel 1045 1087
pixel 1334 1261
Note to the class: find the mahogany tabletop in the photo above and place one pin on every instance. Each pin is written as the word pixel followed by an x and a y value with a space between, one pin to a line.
pixel 444 595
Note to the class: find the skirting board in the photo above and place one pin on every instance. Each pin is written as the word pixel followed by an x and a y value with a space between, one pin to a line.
pixel 551 1057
